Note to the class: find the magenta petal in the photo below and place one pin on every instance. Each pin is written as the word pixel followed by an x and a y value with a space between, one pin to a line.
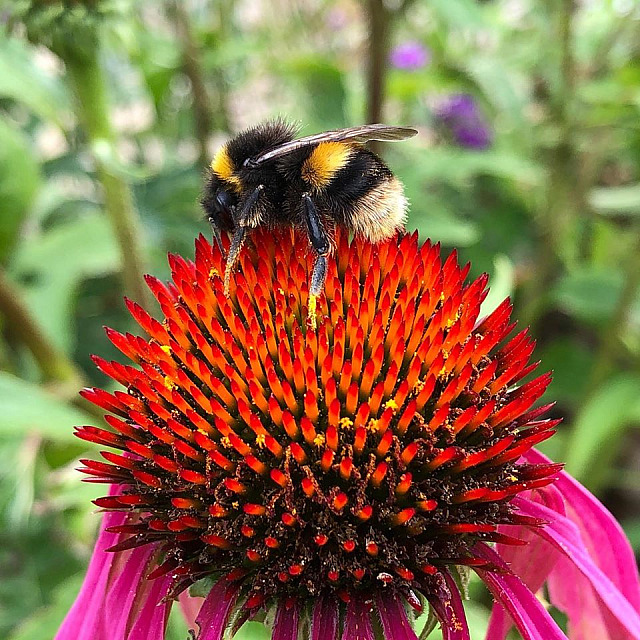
pixel 602 535
pixel 215 609
pixel 114 594
pixel 393 616
pixel 532 564
pixel 450 612
pixel 84 620
pixel 325 619
pixel 190 607
pixel 528 614
pixel 563 534
pixel 151 620
pixel 286 624
pixel 357 623
pixel 127 592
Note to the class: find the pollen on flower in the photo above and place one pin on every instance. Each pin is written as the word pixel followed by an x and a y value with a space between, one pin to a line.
pixel 369 452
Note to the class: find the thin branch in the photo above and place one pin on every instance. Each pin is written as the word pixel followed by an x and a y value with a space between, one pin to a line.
pixel 379 19
pixel 52 362
pixel 192 67
pixel 87 80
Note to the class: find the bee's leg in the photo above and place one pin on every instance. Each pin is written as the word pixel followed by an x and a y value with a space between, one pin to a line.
pixel 317 234
pixel 320 242
pixel 237 241
pixel 216 234
pixel 239 234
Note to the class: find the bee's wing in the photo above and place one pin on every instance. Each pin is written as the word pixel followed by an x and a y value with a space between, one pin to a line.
pixel 356 134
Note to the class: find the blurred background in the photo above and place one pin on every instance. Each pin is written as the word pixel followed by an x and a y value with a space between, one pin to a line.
pixel 527 161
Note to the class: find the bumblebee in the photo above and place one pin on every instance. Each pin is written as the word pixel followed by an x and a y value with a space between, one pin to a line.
pixel 265 177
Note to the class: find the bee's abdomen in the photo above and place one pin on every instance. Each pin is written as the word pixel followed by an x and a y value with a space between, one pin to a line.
pixel 368 199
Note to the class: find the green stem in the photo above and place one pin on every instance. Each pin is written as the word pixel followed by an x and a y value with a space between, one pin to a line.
pixel 53 363
pixel 379 18
pixel 609 346
pixel 564 197
pixel 87 80
pixel 192 67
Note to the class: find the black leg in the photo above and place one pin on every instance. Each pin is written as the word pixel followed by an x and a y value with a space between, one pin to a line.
pixel 234 251
pixel 317 234
pixel 242 220
pixel 320 242
pixel 246 216
pixel 216 234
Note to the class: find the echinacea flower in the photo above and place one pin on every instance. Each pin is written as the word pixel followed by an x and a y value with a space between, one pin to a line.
pixel 339 479
pixel 409 56
pixel 460 115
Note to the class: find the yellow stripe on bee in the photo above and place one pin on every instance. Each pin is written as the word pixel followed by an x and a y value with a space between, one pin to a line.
pixel 222 166
pixel 324 162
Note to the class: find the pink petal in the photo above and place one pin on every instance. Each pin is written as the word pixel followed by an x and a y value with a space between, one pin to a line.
pixel 286 624
pixel 325 619
pixel 357 623
pixel 190 607
pixel 84 620
pixel 393 616
pixel 151 621
pixel 450 612
pixel 528 614
pixel 215 610
pixel 115 599
pixel 602 535
pixel 564 535
pixel 532 564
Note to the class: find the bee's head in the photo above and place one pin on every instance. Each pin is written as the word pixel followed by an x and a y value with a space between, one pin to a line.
pixel 219 200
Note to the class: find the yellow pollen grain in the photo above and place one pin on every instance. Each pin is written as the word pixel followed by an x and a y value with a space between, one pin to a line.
pixel 235 505
pixel 166 348
pixel 419 385
pixel 391 404
pixel 213 272
pixel 319 440
pixel 513 478
pixel 443 372
pixel 225 442
pixel 169 383
pixel 372 425
pixel 260 440
pixel 345 423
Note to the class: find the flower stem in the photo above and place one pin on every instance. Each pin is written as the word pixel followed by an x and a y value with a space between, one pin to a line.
pixel 52 362
pixel 87 80
pixel 608 350
pixel 379 18
pixel 192 67
pixel 564 197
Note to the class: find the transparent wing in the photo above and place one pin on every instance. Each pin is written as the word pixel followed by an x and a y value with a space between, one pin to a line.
pixel 361 134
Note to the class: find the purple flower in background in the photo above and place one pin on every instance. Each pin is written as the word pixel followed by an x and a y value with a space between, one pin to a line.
pixel 410 56
pixel 460 115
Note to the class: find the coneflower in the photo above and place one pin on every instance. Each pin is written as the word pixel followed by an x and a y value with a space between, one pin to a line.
pixel 343 478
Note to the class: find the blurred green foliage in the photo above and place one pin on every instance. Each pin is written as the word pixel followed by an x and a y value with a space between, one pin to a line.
pixel 551 209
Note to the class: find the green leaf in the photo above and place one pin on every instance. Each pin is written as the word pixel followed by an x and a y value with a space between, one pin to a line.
pixel 19 183
pixel 598 427
pixel 611 201
pixel 590 295
pixel 57 262
pixel 501 284
pixel 27 408
pixel 45 621
pixel 23 80
pixel 326 92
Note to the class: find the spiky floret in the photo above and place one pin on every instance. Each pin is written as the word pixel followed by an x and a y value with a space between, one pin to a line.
pixel 371 453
